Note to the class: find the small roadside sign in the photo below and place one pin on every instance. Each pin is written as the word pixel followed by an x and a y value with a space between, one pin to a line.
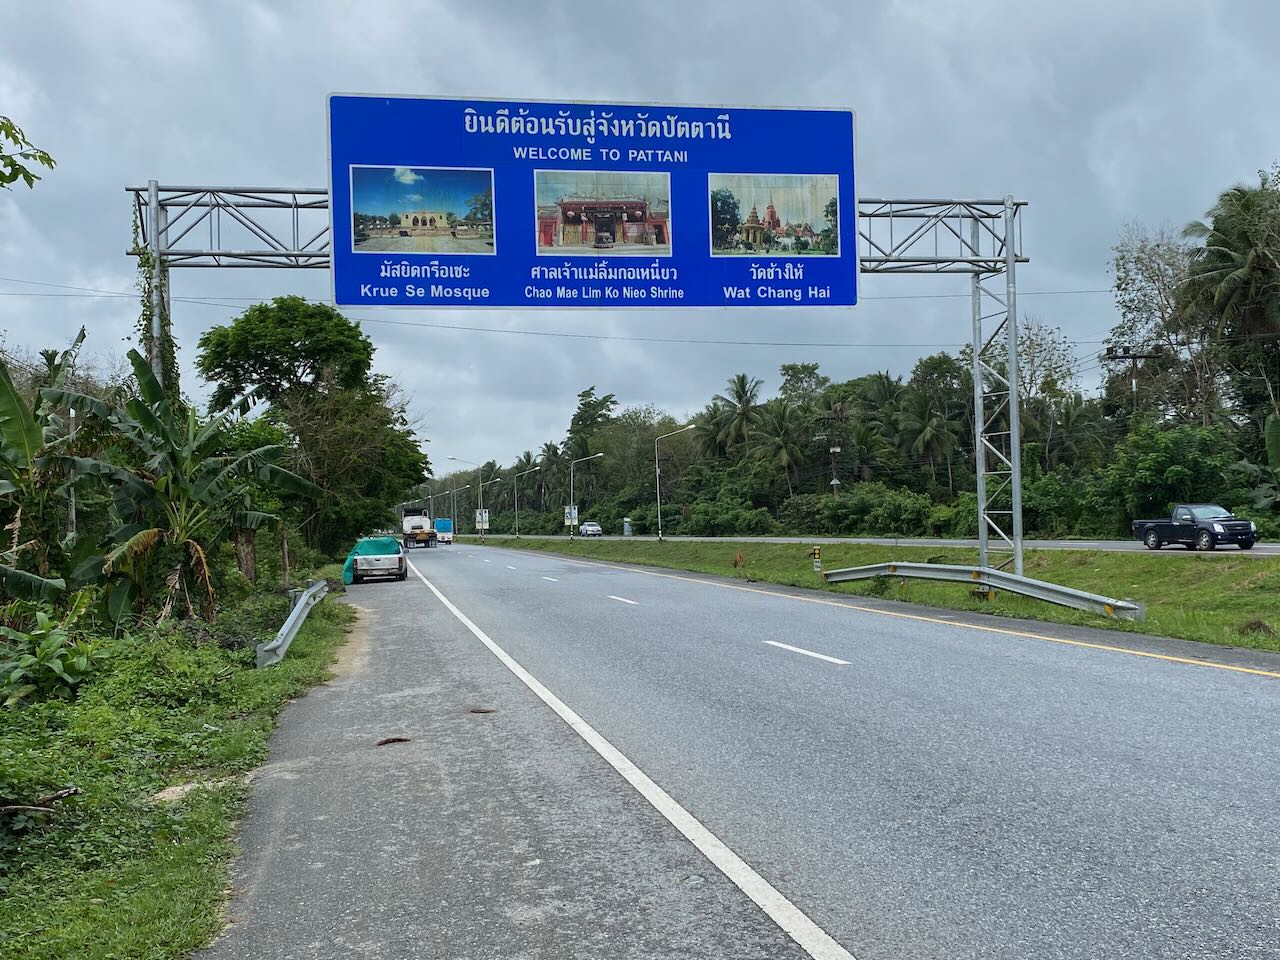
pixel 482 519
pixel 571 516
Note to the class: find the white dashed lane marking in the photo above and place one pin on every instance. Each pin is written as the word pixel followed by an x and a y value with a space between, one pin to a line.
pixel 807 653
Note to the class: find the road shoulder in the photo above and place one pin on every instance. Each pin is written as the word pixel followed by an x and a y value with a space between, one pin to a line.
pixel 473 835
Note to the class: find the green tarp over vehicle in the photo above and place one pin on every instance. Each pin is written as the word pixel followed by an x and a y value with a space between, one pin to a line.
pixel 368 547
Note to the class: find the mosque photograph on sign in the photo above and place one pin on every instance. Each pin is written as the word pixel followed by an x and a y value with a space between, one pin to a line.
pixel 598 212
pixel 421 210
pixel 775 214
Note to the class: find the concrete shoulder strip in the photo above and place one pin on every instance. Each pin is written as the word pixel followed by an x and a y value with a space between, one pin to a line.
pixel 812 939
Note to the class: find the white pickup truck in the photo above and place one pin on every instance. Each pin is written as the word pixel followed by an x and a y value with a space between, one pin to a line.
pixel 378 557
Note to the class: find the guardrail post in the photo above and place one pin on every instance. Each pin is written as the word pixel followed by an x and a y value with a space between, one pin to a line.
pixel 273 652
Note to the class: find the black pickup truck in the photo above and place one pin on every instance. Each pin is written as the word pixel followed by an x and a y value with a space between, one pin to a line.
pixel 1197 526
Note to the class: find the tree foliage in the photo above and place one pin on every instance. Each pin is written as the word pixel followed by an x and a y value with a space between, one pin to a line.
pixel 274 347
pixel 18 156
pixel 726 217
pixel 359 450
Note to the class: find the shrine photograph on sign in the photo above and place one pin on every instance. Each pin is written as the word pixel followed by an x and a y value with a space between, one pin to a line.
pixel 779 215
pixel 421 210
pixel 440 202
pixel 620 213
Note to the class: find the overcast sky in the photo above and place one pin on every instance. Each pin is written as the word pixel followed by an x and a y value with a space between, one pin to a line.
pixel 1098 114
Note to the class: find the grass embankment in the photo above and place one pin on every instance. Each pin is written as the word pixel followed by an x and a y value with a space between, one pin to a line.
pixel 1226 598
pixel 115 873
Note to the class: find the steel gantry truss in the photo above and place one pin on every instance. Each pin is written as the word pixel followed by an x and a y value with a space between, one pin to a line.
pixel 289 228
pixel 981 238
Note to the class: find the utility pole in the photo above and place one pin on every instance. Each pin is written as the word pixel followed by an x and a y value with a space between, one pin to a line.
pixel 1132 355
pixel 835 421
pixel 71 506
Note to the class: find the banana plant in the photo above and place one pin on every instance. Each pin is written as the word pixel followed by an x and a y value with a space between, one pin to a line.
pixel 31 489
pixel 177 494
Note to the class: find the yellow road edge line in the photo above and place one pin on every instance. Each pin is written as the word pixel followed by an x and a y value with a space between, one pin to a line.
pixel 1168 657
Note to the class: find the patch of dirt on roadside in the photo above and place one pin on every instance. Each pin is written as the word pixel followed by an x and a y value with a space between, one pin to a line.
pixel 178 791
pixel 353 656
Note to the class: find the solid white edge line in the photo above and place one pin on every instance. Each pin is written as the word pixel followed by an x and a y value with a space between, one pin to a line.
pixel 812 938
pixel 807 653
pixel 634 603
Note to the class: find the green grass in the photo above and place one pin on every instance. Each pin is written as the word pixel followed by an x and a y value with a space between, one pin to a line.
pixel 1225 598
pixel 115 875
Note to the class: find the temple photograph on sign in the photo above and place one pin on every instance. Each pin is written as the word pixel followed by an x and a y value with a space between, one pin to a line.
pixel 779 215
pixel 597 212
pixel 421 210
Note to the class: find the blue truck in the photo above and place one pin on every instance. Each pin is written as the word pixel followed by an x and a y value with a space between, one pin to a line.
pixel 444 530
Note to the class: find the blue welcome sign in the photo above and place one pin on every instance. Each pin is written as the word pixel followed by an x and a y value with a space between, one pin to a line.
pixel 496 203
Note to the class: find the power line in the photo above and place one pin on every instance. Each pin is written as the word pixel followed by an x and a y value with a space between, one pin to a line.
pixel 90 292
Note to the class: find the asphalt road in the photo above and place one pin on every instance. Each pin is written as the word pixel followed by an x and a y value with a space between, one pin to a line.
pixel 1109 546
pixel 917 783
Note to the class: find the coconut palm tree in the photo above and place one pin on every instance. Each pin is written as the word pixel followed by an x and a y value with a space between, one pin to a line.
pixel 924 431
pixel 712 427
pixel 743 398
pixel 553 477
pixel 779 436
pixel 864 445
pixel 1238 266
pixel 881 396
pixel 1077 439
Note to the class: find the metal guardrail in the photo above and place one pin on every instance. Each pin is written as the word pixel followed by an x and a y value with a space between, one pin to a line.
pixel 992 579
pixel 273 651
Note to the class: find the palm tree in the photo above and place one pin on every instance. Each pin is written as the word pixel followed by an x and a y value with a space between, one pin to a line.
pixel 881 396
pixel 923 431
pixel 553 473
pixel 779 436
pixel 1238 267
pixel 743 398
pixel 711 430
pixel 863 446
pixel 1078 439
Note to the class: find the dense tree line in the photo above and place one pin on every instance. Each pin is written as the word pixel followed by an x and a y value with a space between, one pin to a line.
pixel 1195 419
pixel 151 506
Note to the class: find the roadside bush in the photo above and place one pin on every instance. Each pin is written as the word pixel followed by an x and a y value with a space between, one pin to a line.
pixel 873 509
pixel 253 621
pixel 1051 504
pixel 43 658
pixel 802 514
pixel 721 518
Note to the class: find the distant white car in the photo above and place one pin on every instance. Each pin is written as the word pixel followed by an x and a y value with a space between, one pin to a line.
pixel 589 528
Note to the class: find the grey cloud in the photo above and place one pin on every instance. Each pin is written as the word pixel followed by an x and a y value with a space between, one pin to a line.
pixel 1097 113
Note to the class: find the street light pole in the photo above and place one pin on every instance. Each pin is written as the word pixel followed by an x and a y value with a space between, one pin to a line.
pixel 515 489
pixel 453 509
pixel 481 508
pixel 480 482
pixel 572 504
pixel 657 471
